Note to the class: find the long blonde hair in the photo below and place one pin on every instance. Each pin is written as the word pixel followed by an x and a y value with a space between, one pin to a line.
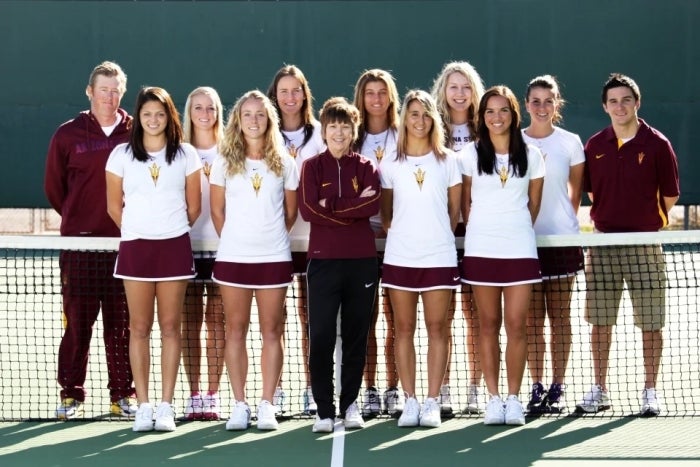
pixel 233 146
pixel 439 93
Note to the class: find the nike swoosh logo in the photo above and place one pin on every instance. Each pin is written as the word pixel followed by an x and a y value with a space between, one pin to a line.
pixel 598 156
pixel 455 278
pixel 325 184
pixel 367 286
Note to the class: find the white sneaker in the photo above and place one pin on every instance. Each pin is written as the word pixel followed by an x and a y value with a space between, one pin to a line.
pixel 278 400
pixel 651 406
pixel 266 416
pixel 310 406
pixel 124 407
pixel 69 409
pixel 411 413
pixel 353 419
pixel 323 425
pixel 194 407
pixel 165 417
pixel 211 409
pixel 445 400
pixel 392 401
pixel 430 414
pixel 371 402
pixel 143 420
pixel 495 412
pixel 240 417
pixel 594 400
pixel 514 411
pixel 475 400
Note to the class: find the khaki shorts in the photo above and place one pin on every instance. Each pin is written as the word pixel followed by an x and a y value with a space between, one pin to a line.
pixel 642 269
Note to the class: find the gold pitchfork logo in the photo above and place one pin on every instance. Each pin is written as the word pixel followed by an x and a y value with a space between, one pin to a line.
pixel 503 175
pixel 420 178
pixel 257 183
pixel 155 172
pixel 379 153
pixel 206 169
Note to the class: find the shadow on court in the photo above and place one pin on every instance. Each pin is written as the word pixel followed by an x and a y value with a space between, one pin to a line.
pixel 465 441
pixel 475 444
pixel 77 444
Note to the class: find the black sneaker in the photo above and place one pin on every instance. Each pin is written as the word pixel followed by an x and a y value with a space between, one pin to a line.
pixel 552 402
pixel 538 395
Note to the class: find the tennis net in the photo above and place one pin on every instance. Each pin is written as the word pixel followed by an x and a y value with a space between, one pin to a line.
pixel 31 329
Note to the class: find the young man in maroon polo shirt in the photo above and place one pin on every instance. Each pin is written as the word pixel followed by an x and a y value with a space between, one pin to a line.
pixel 75 187
pixel 631 177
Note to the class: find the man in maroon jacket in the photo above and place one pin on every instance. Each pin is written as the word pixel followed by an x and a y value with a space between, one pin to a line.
pixel 631 177
pixel 75 186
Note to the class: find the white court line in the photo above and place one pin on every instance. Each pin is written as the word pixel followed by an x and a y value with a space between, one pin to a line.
pixel 338 451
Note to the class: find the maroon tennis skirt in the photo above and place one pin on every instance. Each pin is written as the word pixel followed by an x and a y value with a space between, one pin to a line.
pixel 560 261
pixel 419 279
pixel 253 275
pixel 500 271
pixel 155 260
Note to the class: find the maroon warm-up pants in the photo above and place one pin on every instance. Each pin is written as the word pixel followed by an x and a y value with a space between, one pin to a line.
pixel 87 285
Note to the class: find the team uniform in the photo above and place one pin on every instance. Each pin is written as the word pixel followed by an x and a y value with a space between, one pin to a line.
pixel 378 148
pixel 254 251
pixel 420 251
pixel 300 151
pixel 500 248
pixel 203 228
pixel 75 187
pixel 561 151
pixel 342 270
pixel 461 136
pixel 628 182
pixel 155 244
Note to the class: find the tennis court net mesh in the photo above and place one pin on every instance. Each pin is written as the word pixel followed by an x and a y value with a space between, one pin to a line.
pixel 31 329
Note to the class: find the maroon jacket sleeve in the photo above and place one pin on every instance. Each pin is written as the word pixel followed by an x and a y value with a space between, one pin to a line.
pixel 356 207
pixel 55 175
pixel 309 208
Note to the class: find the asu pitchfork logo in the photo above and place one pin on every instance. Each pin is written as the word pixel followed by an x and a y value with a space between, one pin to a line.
pixel 640 157
pixel 155 172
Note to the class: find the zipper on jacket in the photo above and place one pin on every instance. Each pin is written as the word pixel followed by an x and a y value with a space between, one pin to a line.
pixel 340 186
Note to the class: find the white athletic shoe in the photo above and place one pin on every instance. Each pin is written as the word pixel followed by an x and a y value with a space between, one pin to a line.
pixel 240 417
pixel 430 413
pixel 411 413
pixel 323 425
pixel 266 416
pixel 353 419
pixel 165 417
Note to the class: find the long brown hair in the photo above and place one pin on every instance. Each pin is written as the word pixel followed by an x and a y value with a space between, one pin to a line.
pixel 173 129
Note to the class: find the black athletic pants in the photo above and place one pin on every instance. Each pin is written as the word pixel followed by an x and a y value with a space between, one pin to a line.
pixel 348 286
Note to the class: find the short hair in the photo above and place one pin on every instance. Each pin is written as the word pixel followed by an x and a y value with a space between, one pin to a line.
pixel 437 132
pixel 547 82
pixel 371 76
pixel 233 146
pixel 187 114
pixel 173 130
pixel 617 80
pixel 338 109
pixel 307 108
pixel 110 70
pixel 439 92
